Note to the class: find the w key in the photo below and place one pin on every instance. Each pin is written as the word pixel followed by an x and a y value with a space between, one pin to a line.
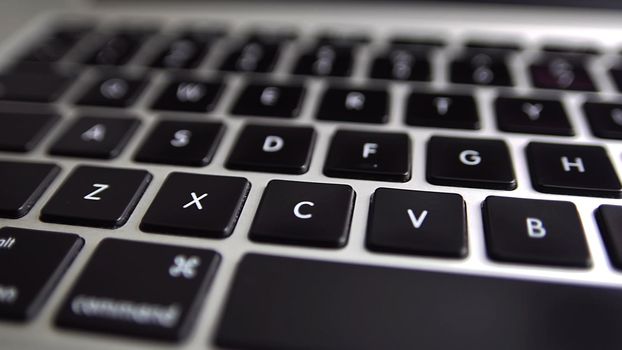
pixel 94 196
pixel 140 289
pixel 572 169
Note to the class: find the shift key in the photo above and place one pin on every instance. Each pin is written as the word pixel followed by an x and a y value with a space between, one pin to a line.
pixel 31 264
pixel 141 290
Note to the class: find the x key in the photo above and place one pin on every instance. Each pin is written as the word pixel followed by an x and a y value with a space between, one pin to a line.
pixel 197 205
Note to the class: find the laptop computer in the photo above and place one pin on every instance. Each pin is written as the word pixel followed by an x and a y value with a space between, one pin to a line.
pixel 310 175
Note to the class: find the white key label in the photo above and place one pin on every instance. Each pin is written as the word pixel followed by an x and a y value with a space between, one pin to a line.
pixel 100 188
pixel 535 228
pixel 299 206
pixel 181 138
pixel 184 267
pixel 470 157
pixel 196 201
pixel 95 133
pixel 417 221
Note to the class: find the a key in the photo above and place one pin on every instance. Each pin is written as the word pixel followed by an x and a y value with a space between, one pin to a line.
pixel 560 72
pixel 481 67
pixel 326 60
pixel 140 290
pixel 252 56
pixel 186 51
pixel 33 262
pixel 616 76
pixel 181 143
pixel 402 64
pixel 354 105
pixel 469 163
pixel 442 111
pixel 304 213
pixel 609 219
pixel 189 96
pixel 95 137
pixel 197 205
pixel 113 91
pixel 417 42
pixel 532 116
pixel 605 119
pixel 277 149
pixel 416 222
pixel 534 232
pixel 117 49
pixel 22 132
pixel 565 49
pixel 369 156
pixel 493 46
pixel 97 196
pixel 55 46
pixel 343 40
pixel 572 169
pixel 45 86
pixel 269 100
pixel 281 303
pixel 22 185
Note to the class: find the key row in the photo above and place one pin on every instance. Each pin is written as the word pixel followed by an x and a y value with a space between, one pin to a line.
pixel 311 214
pixel 337 103
pixel 328 55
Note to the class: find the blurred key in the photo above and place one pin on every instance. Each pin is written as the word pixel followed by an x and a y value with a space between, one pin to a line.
pixel 269 100
pixel 56 45
pixel 326 60
pixel 442 111
pixel 21 185
pixel 21 132
pixel 533 116
pixel 605 119
pixel 354 105
pixel 42 86
pixel 185 51
pixel 252 56
pixel 481 68
pixel 609 219
pixel 401 64
pixel 189 95
pixel 118 48
pixel 560 72
pixel 113 91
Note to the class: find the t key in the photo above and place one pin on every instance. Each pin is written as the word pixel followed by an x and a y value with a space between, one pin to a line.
pixel 32 263
pixel 94 196
pixel 442 111
pixel 140 289
pixel 572 169
pixel 535 232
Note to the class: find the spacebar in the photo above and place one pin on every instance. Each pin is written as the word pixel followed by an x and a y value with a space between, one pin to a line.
pixel 284 303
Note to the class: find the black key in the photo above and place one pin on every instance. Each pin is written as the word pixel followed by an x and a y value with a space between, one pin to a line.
pixel 414 42
pixel 493 46
pixel 197 205
pixel 181 143
pixel 532 116
pixel 189 96
pixel 416 222
pixel 481 68
pixel 269 100
pixel 55 46
pixel 442 111
pixel 470 163
pixel 273 149
pixel 304 213
pixel 22 185
pixel 354 105
pixel 559 72
pixel 616 75
pixel 95 196
pixel 342 39
pixel 253 56
pixel 534 232
pixel 95 137
pixel 570 50
pixel 141 290
pixel 33 263
pixel 113 91
pixel 402 64
pixel 609 219
pixel 184 52
pixel 118 48
pixel 22 132
pixel 45 86
pixel 281 303
pixel 572 169
pixel 369 156
pixel 326 60
pixel 605 119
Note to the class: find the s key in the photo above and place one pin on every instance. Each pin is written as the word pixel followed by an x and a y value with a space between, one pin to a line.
pixel 97 196
pixel 140 289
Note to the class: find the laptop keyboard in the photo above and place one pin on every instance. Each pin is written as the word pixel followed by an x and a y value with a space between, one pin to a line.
pixel 149 96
